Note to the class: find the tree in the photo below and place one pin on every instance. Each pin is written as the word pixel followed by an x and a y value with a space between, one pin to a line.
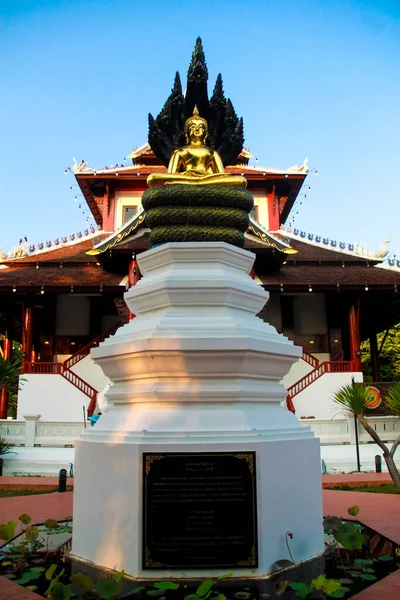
pixel 389 357
pixel 354 399
pixel 13 393
pixel 9 375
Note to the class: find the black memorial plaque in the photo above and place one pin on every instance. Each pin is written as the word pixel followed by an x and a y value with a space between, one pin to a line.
pixel 199 510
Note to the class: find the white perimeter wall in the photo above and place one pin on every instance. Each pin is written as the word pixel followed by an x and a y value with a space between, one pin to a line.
pixel 52 397
pixel 316 400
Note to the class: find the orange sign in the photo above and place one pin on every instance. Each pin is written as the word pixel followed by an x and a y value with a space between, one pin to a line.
pixel 374 398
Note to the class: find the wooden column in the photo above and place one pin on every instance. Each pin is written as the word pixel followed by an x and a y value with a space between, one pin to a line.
pixel 7 352
pixel 354 334
pixel 373 345
pixel 27 335
pixel 134 276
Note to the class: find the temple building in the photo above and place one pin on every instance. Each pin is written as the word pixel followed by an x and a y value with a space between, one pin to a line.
pixel 60 298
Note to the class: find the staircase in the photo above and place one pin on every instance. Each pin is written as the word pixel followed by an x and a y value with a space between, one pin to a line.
pixel 310 359
pixel 64 369
pixel 342 366
pixel 84 387
pixel 85 351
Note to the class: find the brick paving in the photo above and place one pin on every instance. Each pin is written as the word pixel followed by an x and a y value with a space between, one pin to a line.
pixel 355 479
pixel 380 512
pixel 40 507
pixel 12 591
pixel 328 481
pixel 34 484
pixel 385 589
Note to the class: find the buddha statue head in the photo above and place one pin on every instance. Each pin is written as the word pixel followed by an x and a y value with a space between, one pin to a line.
pixel 196 128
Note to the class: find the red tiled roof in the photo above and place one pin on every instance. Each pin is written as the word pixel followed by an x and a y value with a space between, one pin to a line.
pixel 321 252
pixel 324 266
pixel 73 252
pixel 142 170
pixel 85 275
pixel 329 276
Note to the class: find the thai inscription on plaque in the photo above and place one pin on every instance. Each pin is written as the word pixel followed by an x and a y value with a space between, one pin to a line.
pixel 199 510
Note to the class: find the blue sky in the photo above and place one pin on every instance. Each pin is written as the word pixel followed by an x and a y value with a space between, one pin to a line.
pixel 310 78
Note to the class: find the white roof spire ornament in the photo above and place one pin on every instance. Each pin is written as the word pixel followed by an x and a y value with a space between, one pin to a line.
pixel 299 169
pixel 383 250
pixel 79 167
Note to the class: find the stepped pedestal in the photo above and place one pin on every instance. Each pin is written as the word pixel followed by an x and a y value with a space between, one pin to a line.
pixel 196 372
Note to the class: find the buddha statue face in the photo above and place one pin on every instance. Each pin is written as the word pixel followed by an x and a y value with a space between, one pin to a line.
pixel 196 131
pixel 196 128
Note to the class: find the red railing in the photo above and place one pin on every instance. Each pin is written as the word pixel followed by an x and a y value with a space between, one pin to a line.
pixel 44 367
pixel 310 359
pixel 340 366
pixel 92 406
pixel 51 368
pixel 84 387
pixel 85 350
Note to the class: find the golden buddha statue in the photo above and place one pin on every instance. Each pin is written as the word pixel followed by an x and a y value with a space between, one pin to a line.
pixel 196 163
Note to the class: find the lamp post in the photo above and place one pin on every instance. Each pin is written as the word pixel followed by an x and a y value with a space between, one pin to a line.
pixel 356 436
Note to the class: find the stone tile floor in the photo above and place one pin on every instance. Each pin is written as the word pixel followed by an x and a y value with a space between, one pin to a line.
pixel 381 512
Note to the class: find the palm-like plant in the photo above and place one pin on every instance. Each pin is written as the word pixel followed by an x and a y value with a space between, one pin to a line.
pixel 9 374
pixel 354 398
pixel 5 447
pixel 393 399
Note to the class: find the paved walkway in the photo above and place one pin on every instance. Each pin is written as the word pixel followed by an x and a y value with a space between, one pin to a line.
pixel 354 479
pixel 40 507
pixel 381 512
pixel 34 484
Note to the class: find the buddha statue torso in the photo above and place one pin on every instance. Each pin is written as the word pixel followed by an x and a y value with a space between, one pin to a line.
pixel 196 163
pixel 195 160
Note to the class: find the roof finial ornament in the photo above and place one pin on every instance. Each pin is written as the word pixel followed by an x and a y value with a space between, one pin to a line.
pixel 300 169
pixel 383 250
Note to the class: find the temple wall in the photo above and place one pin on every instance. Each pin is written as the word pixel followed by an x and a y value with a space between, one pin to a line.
pixel 272 312
pixel 322 356
pixel 309 312
pixel 261 205
pixel 73 315
pixel 316 400
pixel 52 397
pixel 126 199
pixel 108 321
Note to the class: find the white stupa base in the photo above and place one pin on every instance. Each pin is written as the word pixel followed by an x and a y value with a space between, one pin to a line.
pixel 108 519
pixel 195 371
